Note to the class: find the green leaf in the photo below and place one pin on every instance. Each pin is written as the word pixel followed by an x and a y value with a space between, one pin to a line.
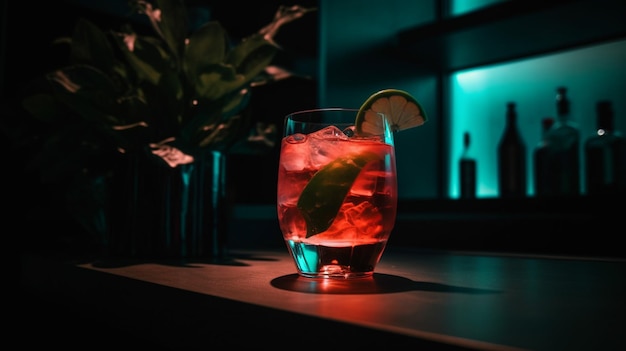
pixel 167 103
pixel 89 92
pixel 174 25
pixel 90 45
pixel 145 55
pixel 153 65
pixel 205 67
pixel 212 119
pixel 217 81
pixel 230 124
pixel 207 47
pixel 323 195
pixel 252 56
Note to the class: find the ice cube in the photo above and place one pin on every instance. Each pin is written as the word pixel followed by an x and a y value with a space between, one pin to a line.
pixel 355 222
pixel 291 185
pixel 326 145
pixel 367 183
pixel 292 222
pixel 295 153
pixel 366 218
pixel 329 133
pixel 297 138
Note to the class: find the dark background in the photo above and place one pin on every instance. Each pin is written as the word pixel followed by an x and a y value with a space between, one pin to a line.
pixel 37 208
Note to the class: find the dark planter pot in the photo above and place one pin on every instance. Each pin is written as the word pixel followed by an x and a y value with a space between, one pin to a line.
pixel 156 211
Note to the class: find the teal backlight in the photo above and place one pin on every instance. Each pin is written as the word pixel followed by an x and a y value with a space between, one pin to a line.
pixel 478 99
pixel 460 7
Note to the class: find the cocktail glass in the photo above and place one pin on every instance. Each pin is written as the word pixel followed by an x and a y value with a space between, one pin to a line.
pixel 337 193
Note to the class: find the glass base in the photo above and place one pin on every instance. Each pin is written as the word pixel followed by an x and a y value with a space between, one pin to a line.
pixel 336 272
pixel 340 262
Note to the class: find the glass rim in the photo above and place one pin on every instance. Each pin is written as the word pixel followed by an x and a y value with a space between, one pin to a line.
pixel 310 116
pixel 323 109
pixel 312 120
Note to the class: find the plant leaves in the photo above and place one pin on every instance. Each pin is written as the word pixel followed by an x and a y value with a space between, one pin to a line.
pixel 252 56
pixel 90 45
pixel 90 93
pixel 213 119
pixel 172 25
pixel 171 87
pixel 207 47
pixel 217 81
pixel 145 55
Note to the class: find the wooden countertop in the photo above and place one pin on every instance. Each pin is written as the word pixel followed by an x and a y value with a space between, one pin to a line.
pixel 434 299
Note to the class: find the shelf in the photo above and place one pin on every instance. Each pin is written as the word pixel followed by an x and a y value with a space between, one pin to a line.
pixel 512 30
pixel 559 226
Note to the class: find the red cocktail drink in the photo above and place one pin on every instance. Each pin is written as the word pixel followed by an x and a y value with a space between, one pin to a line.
pixel 337 193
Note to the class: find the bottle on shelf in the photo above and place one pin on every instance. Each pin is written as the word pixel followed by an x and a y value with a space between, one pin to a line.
pixel 467 167
pixel 541 159
pixel 563 142
pixel 605 155
pixel 511 158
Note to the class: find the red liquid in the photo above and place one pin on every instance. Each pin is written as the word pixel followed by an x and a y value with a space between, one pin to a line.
pixel 354 242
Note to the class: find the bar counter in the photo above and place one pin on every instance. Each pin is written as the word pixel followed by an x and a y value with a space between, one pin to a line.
pixel 432 299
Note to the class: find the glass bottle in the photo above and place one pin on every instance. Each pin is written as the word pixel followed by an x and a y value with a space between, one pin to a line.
pixel 564 150
pixel 541 159
pixel 605 155
pixel 511 158
pixel 467 166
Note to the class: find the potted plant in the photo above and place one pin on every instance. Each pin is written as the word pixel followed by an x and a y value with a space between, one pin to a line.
pixel 160 112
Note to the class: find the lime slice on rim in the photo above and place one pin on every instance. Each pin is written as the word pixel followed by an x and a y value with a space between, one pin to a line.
pixel 323 195
pixel 399 107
